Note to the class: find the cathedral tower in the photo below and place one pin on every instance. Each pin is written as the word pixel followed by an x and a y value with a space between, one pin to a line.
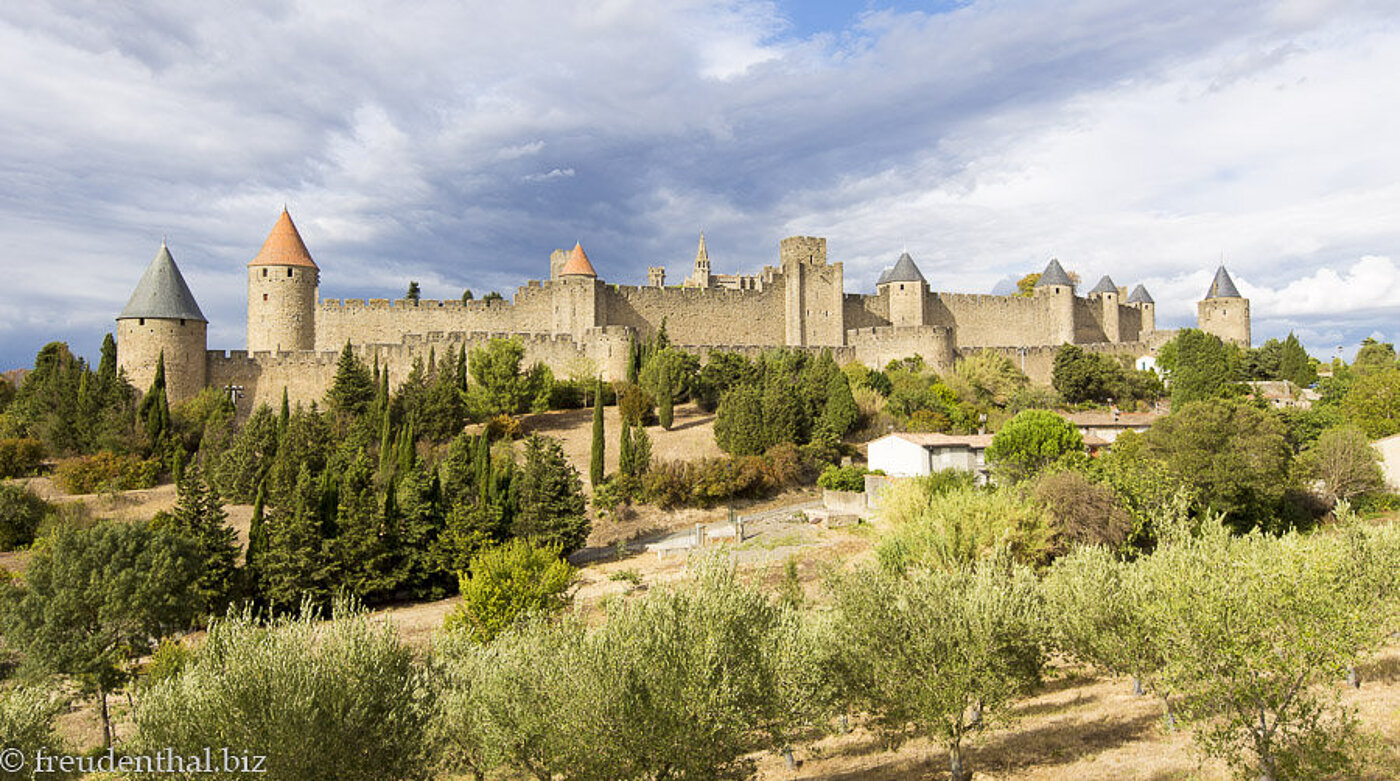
pixel 162 318
pixel 282 292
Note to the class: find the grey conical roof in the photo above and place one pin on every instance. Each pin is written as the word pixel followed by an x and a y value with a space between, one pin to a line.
pixel 162 293
pixel 1140 296
pixel 1054 274
pixel 904 270
pixel 1105 285
pixel 884 277
pixel 1222 286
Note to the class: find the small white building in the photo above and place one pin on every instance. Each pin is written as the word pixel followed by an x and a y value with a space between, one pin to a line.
pixel 906 454
pixel 1389 451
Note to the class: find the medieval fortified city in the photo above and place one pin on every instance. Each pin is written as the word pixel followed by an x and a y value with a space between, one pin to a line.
pixel 920 389
pixel 295 337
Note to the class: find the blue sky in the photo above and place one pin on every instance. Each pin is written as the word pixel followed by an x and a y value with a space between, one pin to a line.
pixel 459 145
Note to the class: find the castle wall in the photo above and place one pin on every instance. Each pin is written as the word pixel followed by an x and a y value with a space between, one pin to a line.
pixel 1089 321
pixel 876 347
pixel 1039 362
pixel 379 320
pixel 1130 324
pixel 306 374
pixel 698 316
pixel 140 342
pixel 866 311
pixel 996 321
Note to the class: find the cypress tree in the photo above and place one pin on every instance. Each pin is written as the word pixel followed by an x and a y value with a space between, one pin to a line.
pixel 664 401
pixel 595 463
pixel 407 455
pixel 483 466
pixel 641 451
pixel 155 411
pixel 634 360
pixel 286 415
pixel 386 461
pixel 257 530
pixel 462 369
pixel 624 451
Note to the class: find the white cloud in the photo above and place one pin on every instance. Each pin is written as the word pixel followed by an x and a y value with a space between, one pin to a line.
pixel 1141 140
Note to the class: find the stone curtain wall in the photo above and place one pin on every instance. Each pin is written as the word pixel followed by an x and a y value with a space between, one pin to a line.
pixel 876 347
pixel 696 316
pixel 382 321
pixel 307 374
pixel 996 321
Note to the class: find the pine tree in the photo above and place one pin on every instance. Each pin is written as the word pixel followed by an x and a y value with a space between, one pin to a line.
pixel 840 413
pixel 200 517
pixel 739 428
pixel 551 505
pixel 596 465
pixel 353 390
pixel 664 401
pixel 296 562
pixel 782 414
pixel 361 547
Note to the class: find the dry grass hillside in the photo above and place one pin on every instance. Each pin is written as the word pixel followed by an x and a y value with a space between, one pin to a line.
pixel 1079 726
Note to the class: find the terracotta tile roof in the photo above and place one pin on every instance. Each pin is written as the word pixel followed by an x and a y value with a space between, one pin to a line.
pixel 577 264
pixel 934 439
pixel 1101 418
pixel 284 246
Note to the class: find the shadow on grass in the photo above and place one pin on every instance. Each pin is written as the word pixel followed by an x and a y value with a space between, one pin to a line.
pixel 1049 745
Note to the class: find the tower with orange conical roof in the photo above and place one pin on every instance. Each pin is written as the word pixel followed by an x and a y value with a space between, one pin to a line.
pixel 283 282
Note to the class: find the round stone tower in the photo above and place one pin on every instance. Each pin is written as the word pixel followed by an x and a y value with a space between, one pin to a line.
pixel 162 318
pixel 1056 287
pixel 1224 312
pixel 283 282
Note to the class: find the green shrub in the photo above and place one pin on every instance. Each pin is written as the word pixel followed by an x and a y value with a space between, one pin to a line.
pixel 27 716
pixel 843 478
pixel 20 457
pixel 21 512
pixel 339 699
pixel 106 471
pixel 947 530
pixel 506 583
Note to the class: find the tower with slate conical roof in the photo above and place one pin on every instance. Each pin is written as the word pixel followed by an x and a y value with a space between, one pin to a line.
pixel 282 291
pixel 162 318
pixel 1224 312
pixel 1106 293
pixel 1147 310
pixel 1056 286
pixel 906 288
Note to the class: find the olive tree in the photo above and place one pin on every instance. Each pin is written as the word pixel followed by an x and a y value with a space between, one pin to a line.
pixel 1252 627
pixel 340 699
pixel 939 654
